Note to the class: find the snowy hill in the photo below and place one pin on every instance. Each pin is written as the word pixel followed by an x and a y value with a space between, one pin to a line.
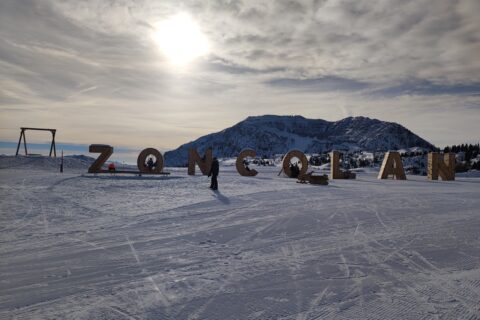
pixel 271 134
pixel 71 163
pixel 80 162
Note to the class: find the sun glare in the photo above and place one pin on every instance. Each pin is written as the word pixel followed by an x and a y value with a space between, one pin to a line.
pixel 180 39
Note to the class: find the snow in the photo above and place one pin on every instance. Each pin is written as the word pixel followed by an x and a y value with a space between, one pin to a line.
pixel 469 174
pixel 270 134
pixel 79 246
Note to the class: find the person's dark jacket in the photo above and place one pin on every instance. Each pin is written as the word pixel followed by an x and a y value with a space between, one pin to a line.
pixel 214 168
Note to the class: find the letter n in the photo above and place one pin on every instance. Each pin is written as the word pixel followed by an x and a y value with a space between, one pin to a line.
pixel 392 165
pixel 195 159
pixel 445 168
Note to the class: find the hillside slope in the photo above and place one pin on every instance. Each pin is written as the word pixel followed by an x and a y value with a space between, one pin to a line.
pixel 271 134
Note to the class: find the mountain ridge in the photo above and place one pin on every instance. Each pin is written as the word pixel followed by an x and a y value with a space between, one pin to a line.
pixel 277 134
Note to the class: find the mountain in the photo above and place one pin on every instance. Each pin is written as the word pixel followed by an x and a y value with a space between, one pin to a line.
pixel 272 134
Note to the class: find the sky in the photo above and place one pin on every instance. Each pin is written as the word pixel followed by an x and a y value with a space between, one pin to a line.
pixel 104 71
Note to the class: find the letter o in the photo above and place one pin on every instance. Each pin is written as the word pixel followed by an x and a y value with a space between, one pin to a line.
pixel 239 163
pixel 294 154
pixel 143 156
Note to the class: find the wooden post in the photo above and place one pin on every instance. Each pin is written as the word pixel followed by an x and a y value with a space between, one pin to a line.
pixel 445 168
pixel 53 144
pixel 392 164
pixel 24 142
pixel 19 142
pixel 203 164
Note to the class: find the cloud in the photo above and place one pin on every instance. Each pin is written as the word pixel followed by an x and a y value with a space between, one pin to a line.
pixel 327 83
pixel 427 88
pixel 92 66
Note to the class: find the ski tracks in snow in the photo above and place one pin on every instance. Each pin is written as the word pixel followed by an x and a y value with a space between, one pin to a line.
pixel 305 253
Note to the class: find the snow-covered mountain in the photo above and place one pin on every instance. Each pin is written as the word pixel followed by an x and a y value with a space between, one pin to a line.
pixel 271 134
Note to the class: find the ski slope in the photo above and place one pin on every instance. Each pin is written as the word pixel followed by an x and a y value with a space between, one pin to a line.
pixel 77 246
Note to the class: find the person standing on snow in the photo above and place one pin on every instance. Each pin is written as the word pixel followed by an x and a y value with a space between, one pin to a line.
pixel 150 163
pixel 214 173
pixel 111 167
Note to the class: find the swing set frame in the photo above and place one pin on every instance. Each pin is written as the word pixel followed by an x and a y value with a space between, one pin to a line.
pixel 22 135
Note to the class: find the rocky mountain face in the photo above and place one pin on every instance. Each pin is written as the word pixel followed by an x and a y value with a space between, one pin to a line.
pixel 272 134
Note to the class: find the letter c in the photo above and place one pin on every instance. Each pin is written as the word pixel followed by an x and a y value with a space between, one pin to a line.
pixel 239 164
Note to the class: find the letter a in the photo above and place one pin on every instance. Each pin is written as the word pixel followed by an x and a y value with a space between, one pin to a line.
pixel 203 164
pixel 392 164
pixel 445 168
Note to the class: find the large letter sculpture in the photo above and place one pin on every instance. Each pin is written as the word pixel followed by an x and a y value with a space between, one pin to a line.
pixel 445 168
pixel 142 158
pixel 335 172
pixel 105 153
pixel 242 170
pixel 203 164
pixel 295 154
pixel 392 164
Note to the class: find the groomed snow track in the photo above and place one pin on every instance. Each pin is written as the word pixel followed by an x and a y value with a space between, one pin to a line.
pixel 78 246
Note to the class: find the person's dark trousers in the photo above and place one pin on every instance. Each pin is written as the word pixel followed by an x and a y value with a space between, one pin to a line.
pixel 214 183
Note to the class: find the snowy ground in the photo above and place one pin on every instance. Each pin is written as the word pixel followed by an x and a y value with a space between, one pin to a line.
pixel 74 246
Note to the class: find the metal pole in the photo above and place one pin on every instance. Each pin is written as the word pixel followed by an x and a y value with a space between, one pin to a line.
pixel 61 163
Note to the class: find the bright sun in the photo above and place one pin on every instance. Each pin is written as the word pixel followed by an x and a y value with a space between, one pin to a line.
pixel 180 39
